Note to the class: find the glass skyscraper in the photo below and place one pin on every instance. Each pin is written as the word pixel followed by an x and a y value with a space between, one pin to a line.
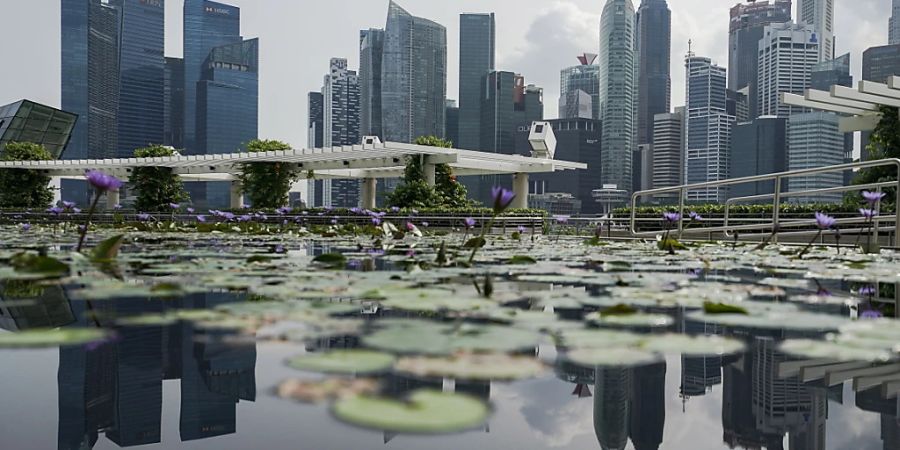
pixel 584 77
pixel 654 39
pixel 414 77
pixel 708 129
pixel 340 94
pixel 174 103
pixel 207 25
pixel 894 23
pixel 371 47
pixel 617 92
pixel 477 53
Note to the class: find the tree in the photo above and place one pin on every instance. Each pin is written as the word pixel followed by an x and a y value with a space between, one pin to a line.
pixel 415 192
pixel 25 188
pixel 156 187
pixel 267 184
pixel 884 143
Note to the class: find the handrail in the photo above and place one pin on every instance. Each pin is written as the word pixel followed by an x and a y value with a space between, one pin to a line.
pixel 777 195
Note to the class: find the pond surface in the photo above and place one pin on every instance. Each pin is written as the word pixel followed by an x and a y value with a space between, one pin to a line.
pixel 231 341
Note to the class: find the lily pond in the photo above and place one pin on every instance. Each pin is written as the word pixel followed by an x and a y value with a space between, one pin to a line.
pixel 227 340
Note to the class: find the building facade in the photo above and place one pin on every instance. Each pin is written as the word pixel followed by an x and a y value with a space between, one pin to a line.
pixel 27 121
pixel 617 92
pixel 758 147
pixel 413 77
pixel 371 48
pixel 787 54
pixel 315 138
pixel 894 23
pixel 746 28
pixel 708 128
pixel 668 154
pixel 207 25
pixel 451 121
pixel 173 133
pixel 819 14
pixel 654 37
pixel 585 78
pixel 815 140
pixel 340 93
pixel 477 53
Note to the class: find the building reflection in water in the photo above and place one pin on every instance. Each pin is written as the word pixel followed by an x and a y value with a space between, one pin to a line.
pixel 629 403
pixel 116 388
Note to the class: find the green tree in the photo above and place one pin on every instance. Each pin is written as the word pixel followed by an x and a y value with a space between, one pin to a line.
pixel 415 192
pixel 884 143
pixel 25 188
pixel 156 187
pixel 267 184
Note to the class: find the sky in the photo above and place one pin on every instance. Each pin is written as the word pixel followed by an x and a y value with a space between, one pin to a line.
pixel 536 38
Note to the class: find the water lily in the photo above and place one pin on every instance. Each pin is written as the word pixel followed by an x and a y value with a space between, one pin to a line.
pixel 25 227
pixel 868 213
pixel 671 217
pixel 102 183
pixel 502 199
pixel 143 217
pixel 561 219
pixel 395 209
pixel 867 291
pixel 201 218
pixel 521 229
pixel 695 217
pixel 56 210
pixel 68 204
pixel 873 197
pixel 410 226
pixel 469 222
pixel 871 314
pixel 174 205
pixel 823 222
pixel 376 221
pixel 190 210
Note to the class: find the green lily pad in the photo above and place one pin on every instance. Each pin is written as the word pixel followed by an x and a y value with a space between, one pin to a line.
pixel 490 366
pixel 722 308
pixel 108 250
pixel 39 265
pixel 343 361
pixel 815 349
pixel 416 337
pixel 610 357
pixel 424 412
pixel 521 260
pixel 692 345
pixel 331 260
pixel 631 320
pixel 51 338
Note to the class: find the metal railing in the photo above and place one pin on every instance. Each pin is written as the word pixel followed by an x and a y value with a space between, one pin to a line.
pixel 778 195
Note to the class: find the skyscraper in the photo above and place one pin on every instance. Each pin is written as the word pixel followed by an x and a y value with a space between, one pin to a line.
pixel 668 154
pixel 413 77
pixel 477 52
pixel 758 147
pixel 815 140
pixel 207 25
pixel 819 14
pixel 575 81
pixel 894 24
pixel 315 126
pixel 340 93
pixel 787 54
pixel 654 37
pixel 174 103
pixel 451 120
pixel 371 47
pixel 708 128
pixel 746 27
pixel 617 92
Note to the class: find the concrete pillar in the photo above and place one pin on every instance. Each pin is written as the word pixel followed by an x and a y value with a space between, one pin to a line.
pixel 368 193
pixel 520 187
pixel 429 173
pixel 112 199
pixel 237 195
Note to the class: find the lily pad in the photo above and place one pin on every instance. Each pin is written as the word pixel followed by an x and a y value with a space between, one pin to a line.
pixel 490 366
pixel 424 412
pixel 332 388
pixel 416 337
pixel 692 345
pixel 610 357
pixel 51 338
pixel 343 361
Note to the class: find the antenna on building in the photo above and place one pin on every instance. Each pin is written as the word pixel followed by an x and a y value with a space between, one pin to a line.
pixel 690 53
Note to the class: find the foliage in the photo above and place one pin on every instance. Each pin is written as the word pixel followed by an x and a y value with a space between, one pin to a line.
pixel 267 184
pixel 883 144
pixel 712 210
pixel 415 191
pixel 156 187
pixel 25 188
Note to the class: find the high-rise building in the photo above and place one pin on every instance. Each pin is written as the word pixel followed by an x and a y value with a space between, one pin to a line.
pixel 830 73
pixel 174 103
pixel 668 154
pixel 708 128
pixel 477 53
pixel 617 93
pixel 746 28
pixel 371 47
pixel 315 138
pixel 585 78
pixel 340 94
pixel 654 37
pixel 737 104
pixel 819 14
pixel 227 108
pixel 207 25
pixel 451 121
pixel 613 387
pixel 894 24
pixel 815 140
pixel 758 147
pixel 413 76
pixel 787 54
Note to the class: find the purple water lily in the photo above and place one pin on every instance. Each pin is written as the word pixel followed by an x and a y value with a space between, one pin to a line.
pixel 190 210
pixel 866 291
pixel 873 197
pixel 201 218
pixel 103 182
pixel 469 222
pixel 143 217
pixel 25 227
pixel 334 221
pixel 561 219
pixel 228 216
pixel 868 213
pixel 871 314
pixel 502 198
pixel 410 226
pixel 695 217
pixel 672 217
pixel 245 218
pixel 56 210
pixel 68 205
pixel 521 229
pixel 76 210
pixel 174 205
pixel 376 221
pixel 395 209
pixel 824 221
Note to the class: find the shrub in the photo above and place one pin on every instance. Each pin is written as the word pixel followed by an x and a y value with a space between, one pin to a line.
pixel 25 188
pixel 267 184
pixel 415 192
pixel 156 187
pixel 884 143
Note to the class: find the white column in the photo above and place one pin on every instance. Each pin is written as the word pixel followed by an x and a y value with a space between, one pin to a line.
pixel 237 195
pixel 429 173
pixel 368 193
pixel 112 199
pixel 520 187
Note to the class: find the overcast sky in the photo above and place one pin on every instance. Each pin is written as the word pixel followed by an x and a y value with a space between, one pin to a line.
pixel 297 37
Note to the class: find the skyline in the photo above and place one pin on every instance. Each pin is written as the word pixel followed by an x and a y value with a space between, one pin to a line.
pixel 536 42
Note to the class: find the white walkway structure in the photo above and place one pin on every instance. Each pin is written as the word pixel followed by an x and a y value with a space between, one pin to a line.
pixel 366 162
pixel 861 103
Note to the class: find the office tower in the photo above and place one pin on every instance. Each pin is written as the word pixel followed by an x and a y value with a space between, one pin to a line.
pixel 708 128
pixel 668 154
pixel 451 122
pixel 371 47
pixel 654 37
pixel 315 127
pixel 613 387
pixel 207 25
pixel 340 95
pixel 578 140
pixel 648 406
pixel 737 104
pixel 137 388
pixel 477 52
pixel 894 24
pixel 830 73
pixel 819 14
pixel 758 147
pixel 815 140
pixel 746 28
pixel 227 109
pixel 413 77
pixel 787 54
pixel 576 82
pixel 173 135
pixel 27 121
pixel 617 92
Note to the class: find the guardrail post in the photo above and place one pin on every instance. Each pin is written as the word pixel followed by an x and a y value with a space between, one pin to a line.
pixel 776 209
pixel 681 194
pixel 897 211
